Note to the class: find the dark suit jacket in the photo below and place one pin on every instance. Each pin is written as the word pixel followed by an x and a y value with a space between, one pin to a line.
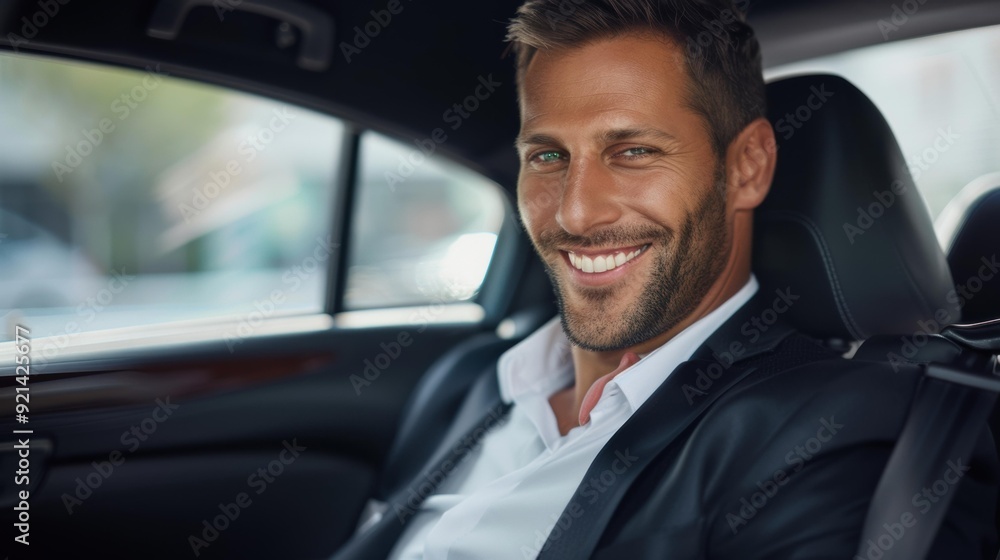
pixel 764 445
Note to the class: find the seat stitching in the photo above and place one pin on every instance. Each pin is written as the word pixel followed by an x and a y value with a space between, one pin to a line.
pixel 838 295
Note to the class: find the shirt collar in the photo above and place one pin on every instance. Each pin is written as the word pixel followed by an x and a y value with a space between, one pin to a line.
pixel 541 364
pixel 640 381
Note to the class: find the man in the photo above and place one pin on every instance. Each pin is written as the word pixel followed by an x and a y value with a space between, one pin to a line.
pixel 642 160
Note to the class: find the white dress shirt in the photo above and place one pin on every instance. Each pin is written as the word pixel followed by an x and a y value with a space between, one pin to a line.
pixel 504 499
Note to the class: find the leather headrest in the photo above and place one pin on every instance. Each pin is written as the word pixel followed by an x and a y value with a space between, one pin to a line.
pixel 973 259
pixel 844 227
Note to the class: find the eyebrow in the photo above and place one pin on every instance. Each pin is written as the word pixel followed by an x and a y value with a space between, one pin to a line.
pixel 619 134
pixel 534 140
pixel 608 136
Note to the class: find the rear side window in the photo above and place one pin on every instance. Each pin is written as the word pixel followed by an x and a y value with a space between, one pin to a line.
pixel 424 228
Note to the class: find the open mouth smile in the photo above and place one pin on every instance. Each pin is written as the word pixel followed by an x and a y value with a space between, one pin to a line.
pixel 601 262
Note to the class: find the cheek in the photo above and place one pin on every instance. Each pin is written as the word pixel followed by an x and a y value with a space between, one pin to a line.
pixel 536 203
pixel 662 200
pixel 670 195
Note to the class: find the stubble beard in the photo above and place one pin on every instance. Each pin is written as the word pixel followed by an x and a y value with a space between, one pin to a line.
pixel 684 267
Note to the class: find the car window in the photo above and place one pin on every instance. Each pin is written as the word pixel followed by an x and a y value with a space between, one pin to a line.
pixel 132 197
pixel 940 95
pixel 424 227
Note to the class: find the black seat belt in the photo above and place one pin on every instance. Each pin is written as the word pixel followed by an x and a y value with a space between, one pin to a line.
pixel 950 409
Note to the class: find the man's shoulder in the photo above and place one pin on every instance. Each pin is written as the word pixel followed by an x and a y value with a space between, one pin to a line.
pixel 801 369
pixel 775 397
pixel 801 381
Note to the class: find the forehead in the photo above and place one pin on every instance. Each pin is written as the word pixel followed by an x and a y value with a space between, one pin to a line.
pixel 633 72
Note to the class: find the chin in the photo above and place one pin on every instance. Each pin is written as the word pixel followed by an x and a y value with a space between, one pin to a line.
pixel 606 327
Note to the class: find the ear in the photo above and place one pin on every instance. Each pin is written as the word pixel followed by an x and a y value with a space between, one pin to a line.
pixel 750 161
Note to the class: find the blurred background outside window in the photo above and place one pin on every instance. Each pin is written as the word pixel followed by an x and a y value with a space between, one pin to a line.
pixel 133 198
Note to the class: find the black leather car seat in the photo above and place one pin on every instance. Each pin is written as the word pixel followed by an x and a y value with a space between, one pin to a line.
pixel 845 224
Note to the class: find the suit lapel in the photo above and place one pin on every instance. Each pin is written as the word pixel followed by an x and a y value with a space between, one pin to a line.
pixel 718 365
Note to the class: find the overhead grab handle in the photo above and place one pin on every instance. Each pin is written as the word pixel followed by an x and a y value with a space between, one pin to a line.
pixel 315 25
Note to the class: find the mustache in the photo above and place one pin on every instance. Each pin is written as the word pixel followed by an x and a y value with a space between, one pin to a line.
pixel 622 236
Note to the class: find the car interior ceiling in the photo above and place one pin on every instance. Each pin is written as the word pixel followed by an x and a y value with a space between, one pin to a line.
pixel 832 165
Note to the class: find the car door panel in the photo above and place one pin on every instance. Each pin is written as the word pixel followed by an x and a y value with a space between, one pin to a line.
pixel 141 464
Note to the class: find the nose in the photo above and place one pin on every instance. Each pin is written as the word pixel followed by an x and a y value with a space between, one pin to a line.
pixel 588 198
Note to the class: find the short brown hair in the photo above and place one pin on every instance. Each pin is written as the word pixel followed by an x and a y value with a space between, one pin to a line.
pixel 721 52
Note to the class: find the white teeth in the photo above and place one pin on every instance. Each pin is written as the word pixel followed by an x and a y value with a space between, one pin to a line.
pixel 603 263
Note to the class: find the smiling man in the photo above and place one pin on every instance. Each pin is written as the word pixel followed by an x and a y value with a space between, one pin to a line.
pixel 647 421
pixel 639 207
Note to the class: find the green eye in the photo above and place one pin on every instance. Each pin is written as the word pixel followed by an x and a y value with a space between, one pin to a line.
pixel 548 157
